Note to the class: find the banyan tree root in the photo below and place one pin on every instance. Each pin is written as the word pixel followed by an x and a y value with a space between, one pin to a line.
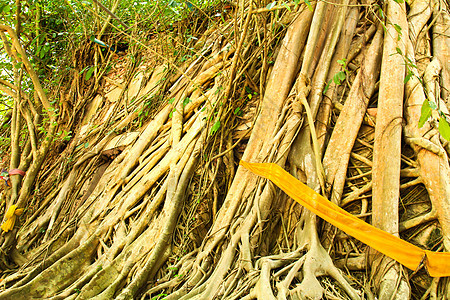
pixel 253 210
pixel 123 239
pixel 117 252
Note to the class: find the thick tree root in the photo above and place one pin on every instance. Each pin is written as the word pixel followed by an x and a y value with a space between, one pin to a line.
pixel 173 186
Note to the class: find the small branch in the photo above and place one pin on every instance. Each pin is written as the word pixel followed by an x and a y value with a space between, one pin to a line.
pixel 30 70
pixel 111 14
pixel 31 128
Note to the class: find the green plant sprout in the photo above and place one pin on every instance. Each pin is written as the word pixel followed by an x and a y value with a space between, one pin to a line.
pixel 428 106
pixel 340 76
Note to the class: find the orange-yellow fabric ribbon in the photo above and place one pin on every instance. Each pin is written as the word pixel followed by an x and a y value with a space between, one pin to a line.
pixel 10 217
pixel 437 263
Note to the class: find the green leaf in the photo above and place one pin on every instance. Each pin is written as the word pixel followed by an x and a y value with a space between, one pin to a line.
pixel 89 73
pixel 215 127
pixel 399 1
pixel 399 31
pixel 327 87
pixel 157 297
pixel 342 62
pixel 444 128
pixel 309 5
pixel 336 79
pixel 408 76
pixel 339 77
pixel 425 113
pixel 411 63
pixel 171 100
pixel 399 51
pixel 6 9
pixel 271 5
pixel 171 113
pixel 42 52
pixel 81 72
pixel 381 14
pixel 238 111
pixel 186 101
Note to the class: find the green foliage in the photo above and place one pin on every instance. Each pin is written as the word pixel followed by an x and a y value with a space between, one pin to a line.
pixel 340 76
pixel 5 8
pixel 89 73
pixel 186 101
pixel 171 113
pixel 215 127
pixel 64 135
pixel 399 31
pixel 159 296
pixel 444 127
pixel 425 113
pixel 4 143
pixel 160 13
pixel 427 106
pixel 309 5
pixel 51 30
